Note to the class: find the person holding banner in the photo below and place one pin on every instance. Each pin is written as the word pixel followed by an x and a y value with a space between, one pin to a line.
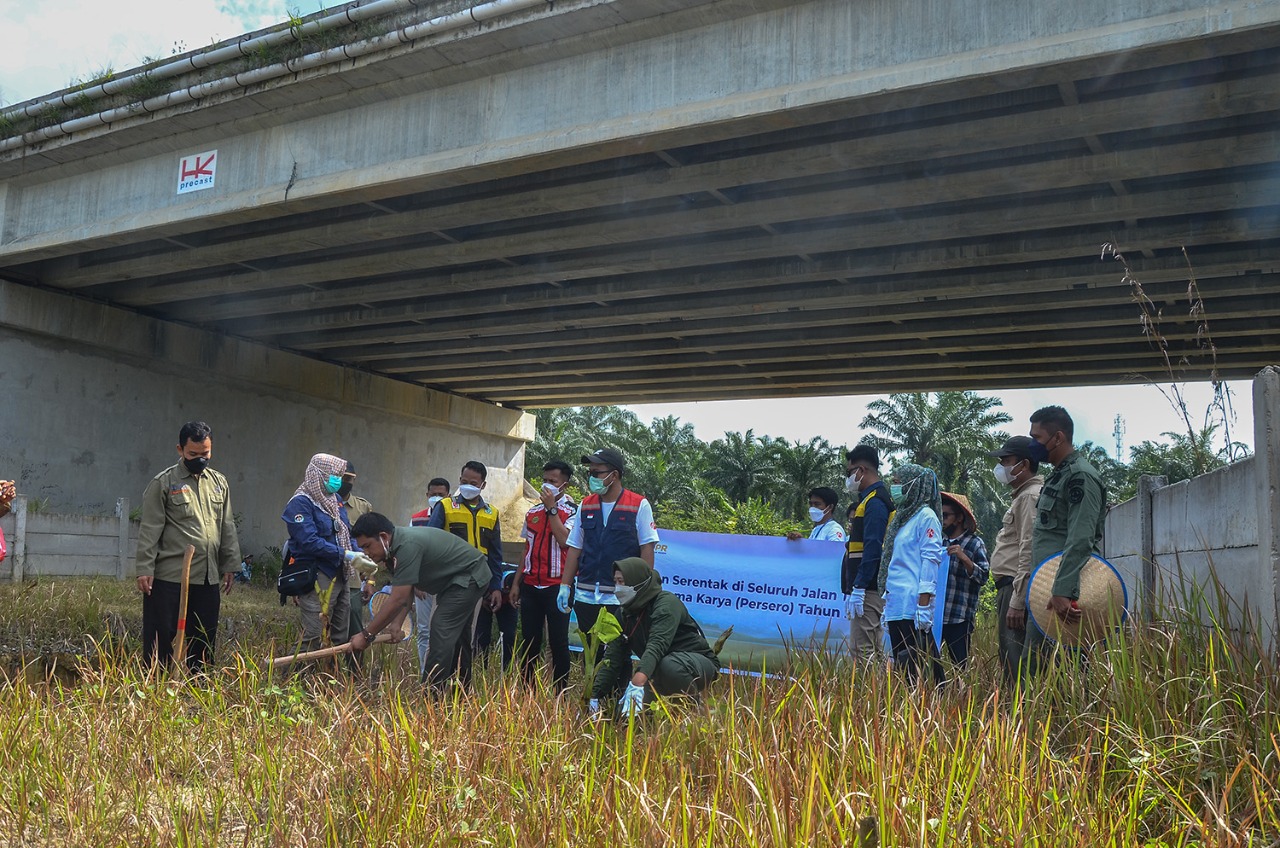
pixel 967 570
pixel 913 564
pixel 613 524
pixel 822 512
pixel 675 658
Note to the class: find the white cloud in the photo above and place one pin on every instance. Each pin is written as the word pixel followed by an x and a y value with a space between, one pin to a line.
pixel 52 42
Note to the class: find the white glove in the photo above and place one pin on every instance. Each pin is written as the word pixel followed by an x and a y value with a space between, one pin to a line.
pixel 360 561
pixel 855 604
pixel 632 701
pixel 924 617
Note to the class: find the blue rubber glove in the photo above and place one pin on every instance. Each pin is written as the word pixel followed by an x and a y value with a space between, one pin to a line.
pixel 855 604
pixel 562 598
pixel 924 617
pixel 593 708
pixel 632 701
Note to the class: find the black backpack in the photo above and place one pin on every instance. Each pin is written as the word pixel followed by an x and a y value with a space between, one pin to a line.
pixel 295 578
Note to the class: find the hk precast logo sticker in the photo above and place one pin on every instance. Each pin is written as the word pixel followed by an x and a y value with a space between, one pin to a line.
pixel 197 171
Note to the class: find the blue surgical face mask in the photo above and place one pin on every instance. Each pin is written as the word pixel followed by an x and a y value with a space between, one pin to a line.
pixel 333 484
pixel 816 514
pixel 597 486
pixel 1039 453
pixel 895 491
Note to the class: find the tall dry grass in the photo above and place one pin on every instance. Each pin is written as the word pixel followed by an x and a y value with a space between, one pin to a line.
pixel 1169 736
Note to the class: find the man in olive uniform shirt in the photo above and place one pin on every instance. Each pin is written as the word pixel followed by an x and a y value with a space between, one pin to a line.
pixel 186 504
pixel 1069 517
pixel 438 563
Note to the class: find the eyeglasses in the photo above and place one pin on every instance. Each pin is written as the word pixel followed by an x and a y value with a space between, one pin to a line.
pixel 600 474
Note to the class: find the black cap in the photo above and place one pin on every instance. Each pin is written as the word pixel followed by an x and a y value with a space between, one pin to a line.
pixel 351 468
pixel 1019 446
pixel 606 456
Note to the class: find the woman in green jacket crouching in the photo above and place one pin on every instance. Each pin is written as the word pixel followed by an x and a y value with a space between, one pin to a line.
pixel 675 658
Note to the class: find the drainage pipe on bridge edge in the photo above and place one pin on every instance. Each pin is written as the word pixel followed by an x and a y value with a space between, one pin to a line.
pixel 475 14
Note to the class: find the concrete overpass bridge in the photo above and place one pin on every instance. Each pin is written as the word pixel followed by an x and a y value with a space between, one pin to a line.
pixel 446 210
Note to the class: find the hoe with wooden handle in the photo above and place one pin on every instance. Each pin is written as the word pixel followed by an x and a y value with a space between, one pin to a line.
pixel 337 650
pixel 180 639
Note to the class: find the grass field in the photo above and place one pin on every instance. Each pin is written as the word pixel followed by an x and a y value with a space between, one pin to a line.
pixel 1169 737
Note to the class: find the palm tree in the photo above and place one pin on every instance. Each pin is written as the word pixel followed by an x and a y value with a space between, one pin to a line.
pixel 742 464
pixel 803 466
pixel 952 433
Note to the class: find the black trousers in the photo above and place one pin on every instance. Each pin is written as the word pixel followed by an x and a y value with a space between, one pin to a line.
pixel 538 612
pixel 160 622
pixel 912 649
pixel 587 615
pixel 955 638
pixel 507 618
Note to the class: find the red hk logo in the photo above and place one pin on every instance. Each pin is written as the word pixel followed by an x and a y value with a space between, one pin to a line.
pixel 198 168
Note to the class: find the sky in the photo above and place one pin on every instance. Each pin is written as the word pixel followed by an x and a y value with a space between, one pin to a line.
pixel 53 43
pixel 49 44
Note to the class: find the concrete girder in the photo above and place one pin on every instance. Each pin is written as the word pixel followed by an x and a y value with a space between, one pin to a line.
pixel 1216 100
pixel 919 198
pixel 761 353
pixel 591 304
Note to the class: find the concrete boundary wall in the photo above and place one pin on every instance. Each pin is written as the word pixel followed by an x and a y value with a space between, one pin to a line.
pixel 52 545
pixel 92 397
pixel 1224 522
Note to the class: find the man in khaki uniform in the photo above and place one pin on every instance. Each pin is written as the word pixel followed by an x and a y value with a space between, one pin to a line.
pixel 1011 561
pixel 186 504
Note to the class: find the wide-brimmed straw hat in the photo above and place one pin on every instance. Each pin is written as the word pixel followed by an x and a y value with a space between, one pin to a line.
pixel 378 600
pixel 1103 602
pixel 967 519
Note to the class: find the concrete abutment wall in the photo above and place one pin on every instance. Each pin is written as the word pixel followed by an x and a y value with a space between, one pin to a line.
pixel 1171 539
pixel 91 400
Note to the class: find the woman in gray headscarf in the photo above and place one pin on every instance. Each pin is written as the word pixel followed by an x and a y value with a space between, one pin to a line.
pixel 913 554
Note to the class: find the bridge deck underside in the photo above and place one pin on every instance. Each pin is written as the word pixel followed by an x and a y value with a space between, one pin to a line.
pixel 949 238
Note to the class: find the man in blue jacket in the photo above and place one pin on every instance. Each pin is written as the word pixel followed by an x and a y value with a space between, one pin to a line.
pixel 320 537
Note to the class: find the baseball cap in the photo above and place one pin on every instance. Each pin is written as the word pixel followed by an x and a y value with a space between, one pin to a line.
pixel 1019 446
pixel 606 456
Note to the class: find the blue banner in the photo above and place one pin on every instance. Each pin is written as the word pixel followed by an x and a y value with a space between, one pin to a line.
pixel 773 591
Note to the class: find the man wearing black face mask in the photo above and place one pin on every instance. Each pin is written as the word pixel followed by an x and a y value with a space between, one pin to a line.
pixel 1069 516
pixel 186 504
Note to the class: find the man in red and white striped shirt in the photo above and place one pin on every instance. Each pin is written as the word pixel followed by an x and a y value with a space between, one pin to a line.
pixel 546 529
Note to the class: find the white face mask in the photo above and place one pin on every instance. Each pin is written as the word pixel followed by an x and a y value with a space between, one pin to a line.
pixel 625 594
pixel 1004 474
pixel 815 514
pixel 551 488
pixel 853 483
pixel 433 500
pixel 467 491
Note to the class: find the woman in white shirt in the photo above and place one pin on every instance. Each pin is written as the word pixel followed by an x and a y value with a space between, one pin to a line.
pixel 914 553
